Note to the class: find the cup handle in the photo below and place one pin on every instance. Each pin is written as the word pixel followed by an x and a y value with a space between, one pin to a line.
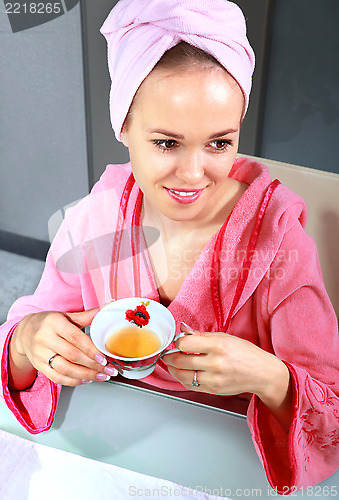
pixel 170 351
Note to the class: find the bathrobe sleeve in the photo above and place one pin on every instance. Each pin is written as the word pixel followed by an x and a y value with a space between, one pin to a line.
pixel 304 334
pixel 34 408
pixel 72 281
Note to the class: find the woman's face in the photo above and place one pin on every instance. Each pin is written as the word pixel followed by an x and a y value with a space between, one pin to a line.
pixel 182 137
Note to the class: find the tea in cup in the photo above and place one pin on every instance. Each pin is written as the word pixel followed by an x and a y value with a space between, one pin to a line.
pixel 131 342
pixel 133 333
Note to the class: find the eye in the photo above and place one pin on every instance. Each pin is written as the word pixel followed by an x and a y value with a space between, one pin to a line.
pixel 221 145
pixel 165 144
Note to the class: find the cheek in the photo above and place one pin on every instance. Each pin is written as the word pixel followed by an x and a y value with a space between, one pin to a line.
pixel 219 170
pixel 158 167
pixel 144 175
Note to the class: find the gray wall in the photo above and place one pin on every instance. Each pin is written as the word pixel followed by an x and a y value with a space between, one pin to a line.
pixel 43 157
pixel 301 122
pixel 103 148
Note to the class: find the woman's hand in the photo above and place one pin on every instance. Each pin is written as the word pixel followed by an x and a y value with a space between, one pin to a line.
pixel 40 336
pixel 229 365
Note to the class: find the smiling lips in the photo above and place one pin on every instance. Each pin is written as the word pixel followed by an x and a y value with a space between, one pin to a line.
pixel 184 196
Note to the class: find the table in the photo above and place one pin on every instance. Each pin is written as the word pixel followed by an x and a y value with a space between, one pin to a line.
pixel 141 430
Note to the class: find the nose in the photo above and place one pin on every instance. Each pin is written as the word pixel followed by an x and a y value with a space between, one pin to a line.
pixel 191 168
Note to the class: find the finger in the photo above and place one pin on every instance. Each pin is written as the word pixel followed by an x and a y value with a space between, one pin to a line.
pixel 84 318
pixel 63 372
pixel 52 370
pixel 201 342
pixel 184 361
pixel 185 377
pixel 70 371
pixel 186 328
pixel 79 340
pixel 74 354
pixel 109 302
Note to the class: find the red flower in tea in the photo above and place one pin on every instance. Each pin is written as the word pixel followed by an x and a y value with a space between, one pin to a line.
pixel 139 316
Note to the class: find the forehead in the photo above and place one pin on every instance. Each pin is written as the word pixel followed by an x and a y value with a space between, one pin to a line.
pixel 182 100
pixel 196 93
pixel 176 80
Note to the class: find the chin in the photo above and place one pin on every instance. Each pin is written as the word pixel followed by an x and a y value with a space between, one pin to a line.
pixel 181 215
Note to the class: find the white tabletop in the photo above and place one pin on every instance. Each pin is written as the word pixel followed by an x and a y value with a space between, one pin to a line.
pixel 189 444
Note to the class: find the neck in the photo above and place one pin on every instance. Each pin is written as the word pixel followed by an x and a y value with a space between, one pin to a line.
pixel 169 228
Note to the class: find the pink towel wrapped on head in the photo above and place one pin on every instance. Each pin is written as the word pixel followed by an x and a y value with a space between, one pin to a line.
pixel 139 32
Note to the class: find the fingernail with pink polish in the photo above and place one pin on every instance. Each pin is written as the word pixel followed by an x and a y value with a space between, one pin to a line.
pixel 103 377
pixel 86 382
pixel 188 328
pixel 109 302
pixel 100 358
pixel 111 371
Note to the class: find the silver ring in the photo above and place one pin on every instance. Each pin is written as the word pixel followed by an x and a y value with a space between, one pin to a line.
pixel 51 359
pixel 195 382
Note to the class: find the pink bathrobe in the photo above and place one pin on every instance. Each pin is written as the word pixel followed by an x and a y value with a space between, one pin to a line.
pixel 258 278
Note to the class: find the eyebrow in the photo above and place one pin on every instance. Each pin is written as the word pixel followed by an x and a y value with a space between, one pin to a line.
pixel 179 136
pixel 224 132
pixel 165 132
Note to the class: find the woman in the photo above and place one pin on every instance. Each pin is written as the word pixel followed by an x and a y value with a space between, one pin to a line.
pixel 231 257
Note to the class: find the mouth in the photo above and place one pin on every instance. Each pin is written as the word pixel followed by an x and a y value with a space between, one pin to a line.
pixel 184 196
